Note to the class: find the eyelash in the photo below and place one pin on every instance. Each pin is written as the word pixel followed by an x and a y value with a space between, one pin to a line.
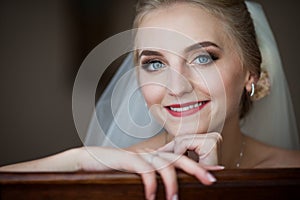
pixel 210 57
pixel 147 64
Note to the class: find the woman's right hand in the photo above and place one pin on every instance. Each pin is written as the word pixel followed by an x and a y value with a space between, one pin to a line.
pixel 146 163
pixel 204 146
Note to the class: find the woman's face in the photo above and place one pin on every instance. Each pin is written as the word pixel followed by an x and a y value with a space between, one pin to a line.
pixel 192 87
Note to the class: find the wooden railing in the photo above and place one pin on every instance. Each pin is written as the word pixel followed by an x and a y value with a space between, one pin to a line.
pixel 232 184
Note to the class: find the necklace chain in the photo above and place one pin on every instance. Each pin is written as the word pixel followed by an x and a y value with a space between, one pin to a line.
pixel 238 164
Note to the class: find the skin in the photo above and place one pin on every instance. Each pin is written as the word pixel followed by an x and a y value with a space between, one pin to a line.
pixel 184 85
pixel 189 86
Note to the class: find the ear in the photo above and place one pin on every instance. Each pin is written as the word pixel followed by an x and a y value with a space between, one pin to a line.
pixel 249 79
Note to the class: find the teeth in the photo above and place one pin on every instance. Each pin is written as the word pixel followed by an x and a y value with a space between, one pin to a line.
pixel 182 109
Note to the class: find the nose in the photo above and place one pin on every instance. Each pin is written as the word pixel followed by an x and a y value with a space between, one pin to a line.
pixel 179 82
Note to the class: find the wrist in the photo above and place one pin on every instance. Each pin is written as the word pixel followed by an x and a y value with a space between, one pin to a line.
pixel 74 157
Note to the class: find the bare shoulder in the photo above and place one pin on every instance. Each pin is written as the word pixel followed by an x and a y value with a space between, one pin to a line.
pixel 275 157
pixel 152 143
pixel 285 158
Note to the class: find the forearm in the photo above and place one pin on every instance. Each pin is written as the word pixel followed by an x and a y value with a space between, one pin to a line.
pixel 64 161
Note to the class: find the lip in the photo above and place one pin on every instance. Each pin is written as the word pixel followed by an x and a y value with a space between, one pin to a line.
pixel 181 112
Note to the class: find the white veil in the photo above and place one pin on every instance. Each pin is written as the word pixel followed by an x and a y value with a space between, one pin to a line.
pixel 124 125
pixel 271 120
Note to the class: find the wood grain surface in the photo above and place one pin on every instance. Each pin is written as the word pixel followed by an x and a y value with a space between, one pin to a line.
pixel 231 184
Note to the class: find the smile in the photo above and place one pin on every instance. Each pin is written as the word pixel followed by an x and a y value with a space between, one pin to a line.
pixel 181 110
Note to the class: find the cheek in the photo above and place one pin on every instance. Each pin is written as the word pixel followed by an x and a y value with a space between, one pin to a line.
pixel 153 94
pixel 234 86
pixel 234 81
pixel 233 77
pixel 209 82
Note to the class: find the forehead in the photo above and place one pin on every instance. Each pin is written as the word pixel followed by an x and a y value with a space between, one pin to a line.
pixel 188 19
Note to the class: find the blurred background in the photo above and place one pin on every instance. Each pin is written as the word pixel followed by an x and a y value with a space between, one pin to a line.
pixel 42 45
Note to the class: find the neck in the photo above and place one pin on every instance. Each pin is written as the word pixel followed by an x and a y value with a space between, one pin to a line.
pixel 232 143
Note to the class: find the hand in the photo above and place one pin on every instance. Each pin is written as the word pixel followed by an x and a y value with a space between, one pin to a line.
pixel 204 145
pixel 146 163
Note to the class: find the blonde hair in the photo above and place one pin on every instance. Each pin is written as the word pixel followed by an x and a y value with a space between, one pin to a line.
pixel 236 20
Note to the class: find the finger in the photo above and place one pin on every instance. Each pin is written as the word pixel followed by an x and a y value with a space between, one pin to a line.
pixel 188 142
pixel 166 171
pixel 140 165
pixel 146 170
pixel 204 146
pixel 168 175
pixel 213 167
pixel 177 145
pixel 196 142
pixel 125 161
pixel 184 144
pixel 191 167
pixel 150 185
pixel 169 147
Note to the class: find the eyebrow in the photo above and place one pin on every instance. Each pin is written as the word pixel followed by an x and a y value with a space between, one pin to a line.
pixel 149 53
pixel 199 45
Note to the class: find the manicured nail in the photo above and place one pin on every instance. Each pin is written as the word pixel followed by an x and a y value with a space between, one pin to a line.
pixel 175 197
pixel 210 177
pixel 220 167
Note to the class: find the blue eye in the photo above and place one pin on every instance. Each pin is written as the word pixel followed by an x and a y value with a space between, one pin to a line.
pixel 154 65
pixel 203 59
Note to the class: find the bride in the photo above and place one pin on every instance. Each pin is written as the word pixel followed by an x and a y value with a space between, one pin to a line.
pixel 212 88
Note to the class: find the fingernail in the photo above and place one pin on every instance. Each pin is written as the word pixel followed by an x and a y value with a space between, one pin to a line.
pixel 220 167
pixel 210 177
pixel 175 197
